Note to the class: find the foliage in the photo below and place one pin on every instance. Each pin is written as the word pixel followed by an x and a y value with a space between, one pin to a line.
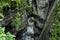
pixel 1 16
pixel 56 26
pixel 6 36
pixel 17 21
pixel 29 9
pixel 3 3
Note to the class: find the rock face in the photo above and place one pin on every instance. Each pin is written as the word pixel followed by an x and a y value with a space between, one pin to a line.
pixel 42 7
pixel 38 9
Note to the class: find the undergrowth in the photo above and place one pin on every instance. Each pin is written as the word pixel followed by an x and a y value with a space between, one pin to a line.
pixel 55 32
pixel 6 36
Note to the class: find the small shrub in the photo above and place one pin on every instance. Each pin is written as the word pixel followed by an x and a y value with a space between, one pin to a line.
pixel 55 32
pixel 6 36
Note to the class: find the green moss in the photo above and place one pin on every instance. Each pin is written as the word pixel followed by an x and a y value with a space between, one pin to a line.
pixel 17 21
pixel 29 9
pixel 35 12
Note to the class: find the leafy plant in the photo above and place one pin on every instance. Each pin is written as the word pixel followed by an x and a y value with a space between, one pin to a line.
pixel 55 32
pixel 6 36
